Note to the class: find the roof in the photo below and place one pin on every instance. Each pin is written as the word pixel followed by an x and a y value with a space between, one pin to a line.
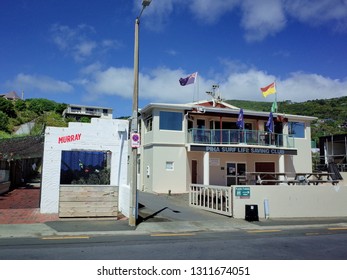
pixel 220 108
pixel 11 95
pixel 88 106
pixel 21 147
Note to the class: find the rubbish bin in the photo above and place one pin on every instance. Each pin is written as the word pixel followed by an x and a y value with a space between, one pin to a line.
pixel 251 213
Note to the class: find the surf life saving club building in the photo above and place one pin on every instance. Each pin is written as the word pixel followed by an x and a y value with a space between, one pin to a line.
pixel 216 143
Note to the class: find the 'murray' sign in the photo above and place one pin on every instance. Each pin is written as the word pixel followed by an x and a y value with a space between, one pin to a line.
pixel 243 150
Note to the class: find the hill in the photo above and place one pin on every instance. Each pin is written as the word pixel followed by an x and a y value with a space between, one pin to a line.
pixel 331 113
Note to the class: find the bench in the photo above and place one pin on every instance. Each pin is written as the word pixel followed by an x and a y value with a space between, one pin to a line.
pixel 316 182
pixel 293 182
pixel 276 182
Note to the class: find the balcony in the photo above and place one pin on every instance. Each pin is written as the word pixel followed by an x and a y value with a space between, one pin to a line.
pixel 237 136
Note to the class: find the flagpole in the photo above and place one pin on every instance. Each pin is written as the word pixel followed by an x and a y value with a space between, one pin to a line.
pixel 276 96
pixel 198 78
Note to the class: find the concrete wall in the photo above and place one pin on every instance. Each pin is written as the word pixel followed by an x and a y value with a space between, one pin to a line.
pixel 294 201
pixel 99 135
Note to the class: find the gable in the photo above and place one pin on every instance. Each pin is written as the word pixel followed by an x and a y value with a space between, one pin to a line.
pixel 215 104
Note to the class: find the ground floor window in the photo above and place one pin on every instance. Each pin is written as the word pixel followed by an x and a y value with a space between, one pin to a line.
pixel 235 173
pixel 85 167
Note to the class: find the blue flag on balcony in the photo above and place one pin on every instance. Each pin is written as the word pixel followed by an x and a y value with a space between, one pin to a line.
pixel 240 121
pixel 270 123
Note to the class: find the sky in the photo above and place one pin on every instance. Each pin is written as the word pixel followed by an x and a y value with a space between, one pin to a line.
pixel 82 52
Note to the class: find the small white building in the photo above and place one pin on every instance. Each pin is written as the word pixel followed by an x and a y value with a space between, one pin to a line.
pixel 200 143
pixel 85 169
pixel 78 111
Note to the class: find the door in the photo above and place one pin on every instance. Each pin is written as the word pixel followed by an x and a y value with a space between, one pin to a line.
pixel 235 173
pixel 194 171
pixel 265 167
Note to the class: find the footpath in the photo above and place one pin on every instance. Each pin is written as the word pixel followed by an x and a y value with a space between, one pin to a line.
pixel 157 214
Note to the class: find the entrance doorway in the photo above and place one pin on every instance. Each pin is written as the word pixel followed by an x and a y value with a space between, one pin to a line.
pixel 235 173
pixel 265 167
pixel 194 171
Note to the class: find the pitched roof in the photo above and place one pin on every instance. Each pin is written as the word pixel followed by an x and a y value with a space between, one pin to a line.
pixel 10 95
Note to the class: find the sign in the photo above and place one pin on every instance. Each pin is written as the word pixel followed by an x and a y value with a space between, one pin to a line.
pixel 135 140
pixel 243 150
pixel 243 192
pixel 69 138
pixel 214 162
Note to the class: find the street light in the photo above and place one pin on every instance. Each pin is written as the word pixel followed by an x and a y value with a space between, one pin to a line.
pixel 134 122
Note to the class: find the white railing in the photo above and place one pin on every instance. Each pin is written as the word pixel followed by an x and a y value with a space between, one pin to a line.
pixel 216 199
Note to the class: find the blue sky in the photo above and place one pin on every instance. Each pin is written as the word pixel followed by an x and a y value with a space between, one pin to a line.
pixel 81 52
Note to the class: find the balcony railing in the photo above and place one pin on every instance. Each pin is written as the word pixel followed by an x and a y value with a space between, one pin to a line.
pixel 238 136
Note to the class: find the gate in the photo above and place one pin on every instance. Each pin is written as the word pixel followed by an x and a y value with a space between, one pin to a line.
pixel 217 199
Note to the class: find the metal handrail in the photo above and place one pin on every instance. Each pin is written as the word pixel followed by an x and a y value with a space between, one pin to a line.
pixel 239 136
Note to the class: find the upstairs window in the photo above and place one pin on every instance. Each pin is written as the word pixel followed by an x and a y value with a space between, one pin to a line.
pixel 76 109
pixel 149 124
pixel 170 120
pixel 296 129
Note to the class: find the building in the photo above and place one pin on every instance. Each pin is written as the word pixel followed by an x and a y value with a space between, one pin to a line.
pixel 201 143
pixel 333 149
pixel 84 170
pixel 10 95
pixel 20 159
pixel 79 111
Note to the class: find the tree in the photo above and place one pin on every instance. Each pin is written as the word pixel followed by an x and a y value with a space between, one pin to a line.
pixel 4 121
pixel 40 105
pixel 20 105
pixel 6 106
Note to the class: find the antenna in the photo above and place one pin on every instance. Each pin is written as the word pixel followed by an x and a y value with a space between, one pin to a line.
pixel 216 96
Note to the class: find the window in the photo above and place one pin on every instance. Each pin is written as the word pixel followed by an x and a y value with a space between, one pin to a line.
pixel 296 129
pixel 169 165
pixel 170 121
pixel 76 109
pixel 149 123
pixel 91 111
pixel 85 167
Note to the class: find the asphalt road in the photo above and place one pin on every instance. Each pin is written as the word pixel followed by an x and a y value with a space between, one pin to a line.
pixel 264 244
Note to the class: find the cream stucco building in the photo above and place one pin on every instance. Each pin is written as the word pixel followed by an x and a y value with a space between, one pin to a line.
pixel 201 143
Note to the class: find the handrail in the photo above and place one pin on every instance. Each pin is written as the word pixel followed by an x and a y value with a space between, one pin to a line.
pixel 239 136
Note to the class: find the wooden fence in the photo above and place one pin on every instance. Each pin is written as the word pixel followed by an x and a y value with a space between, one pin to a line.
pixel 88 201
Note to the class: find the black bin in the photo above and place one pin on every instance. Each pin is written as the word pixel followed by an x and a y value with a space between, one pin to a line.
pixel 251 213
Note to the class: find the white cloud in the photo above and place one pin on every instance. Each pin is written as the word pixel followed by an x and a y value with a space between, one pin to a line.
pixel 78 41
pixel 259 19
pixel 161 85
pixel 262 18
pixel 210 11
pixel 317 12
pixel 308 86
pixel 41 83
pixel 157 14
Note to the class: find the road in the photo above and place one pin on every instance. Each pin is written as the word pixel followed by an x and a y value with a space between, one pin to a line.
pixel 291 244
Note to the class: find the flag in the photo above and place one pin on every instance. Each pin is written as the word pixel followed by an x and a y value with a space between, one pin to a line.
pixel 240 121
pixel 274 107
pixel 188 80
pixel 270 123
pixel 270 89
